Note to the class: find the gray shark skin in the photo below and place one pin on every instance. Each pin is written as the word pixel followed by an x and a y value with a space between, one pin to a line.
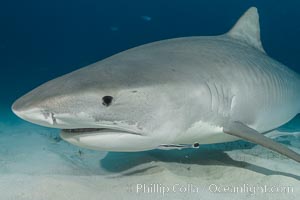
pixel 172 93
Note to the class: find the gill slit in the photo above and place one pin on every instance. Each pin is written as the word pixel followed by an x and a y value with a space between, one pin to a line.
pixel 211 96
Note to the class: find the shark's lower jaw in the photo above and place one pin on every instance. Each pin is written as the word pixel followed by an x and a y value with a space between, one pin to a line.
pixel 108 139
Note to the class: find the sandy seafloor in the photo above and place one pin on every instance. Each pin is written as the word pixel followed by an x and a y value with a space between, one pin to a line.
pixel 35 164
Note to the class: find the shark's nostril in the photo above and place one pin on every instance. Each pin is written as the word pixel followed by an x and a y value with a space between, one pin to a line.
pixel 49 116
pixel 53 118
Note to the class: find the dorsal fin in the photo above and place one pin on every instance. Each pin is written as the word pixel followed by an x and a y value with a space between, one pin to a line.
pixel 247 29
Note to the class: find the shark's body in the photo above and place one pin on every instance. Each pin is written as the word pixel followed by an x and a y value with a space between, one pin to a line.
pixel 172 92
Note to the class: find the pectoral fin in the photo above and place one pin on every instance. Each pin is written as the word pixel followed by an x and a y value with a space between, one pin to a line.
pixel 244 132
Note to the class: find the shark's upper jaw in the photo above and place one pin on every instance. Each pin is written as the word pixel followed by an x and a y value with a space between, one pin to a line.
pixel 70 125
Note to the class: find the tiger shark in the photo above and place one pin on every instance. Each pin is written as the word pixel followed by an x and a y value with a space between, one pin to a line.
pixel 174 93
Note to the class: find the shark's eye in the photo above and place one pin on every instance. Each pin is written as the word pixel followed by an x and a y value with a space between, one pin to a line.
pixel 106 100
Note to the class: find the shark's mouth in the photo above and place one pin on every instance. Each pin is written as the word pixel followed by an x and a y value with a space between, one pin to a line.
pixel 82 131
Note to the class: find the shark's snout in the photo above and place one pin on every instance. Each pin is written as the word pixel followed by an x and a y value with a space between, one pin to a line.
pixel 33 114
pixel 18 107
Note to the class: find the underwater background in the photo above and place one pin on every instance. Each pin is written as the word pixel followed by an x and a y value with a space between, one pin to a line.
pixel 41 40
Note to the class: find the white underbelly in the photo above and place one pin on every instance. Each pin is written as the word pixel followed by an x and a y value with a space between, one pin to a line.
pixel 204 133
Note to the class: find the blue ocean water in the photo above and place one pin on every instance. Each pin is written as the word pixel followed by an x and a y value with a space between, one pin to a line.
pixel 40 40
